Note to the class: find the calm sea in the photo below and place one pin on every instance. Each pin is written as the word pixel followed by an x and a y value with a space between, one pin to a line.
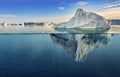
pixel 55 55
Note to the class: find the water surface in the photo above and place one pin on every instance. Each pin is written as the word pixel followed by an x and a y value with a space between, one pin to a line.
pixel 72 55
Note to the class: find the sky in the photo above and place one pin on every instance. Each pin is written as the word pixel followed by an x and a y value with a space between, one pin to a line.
pixel 55 9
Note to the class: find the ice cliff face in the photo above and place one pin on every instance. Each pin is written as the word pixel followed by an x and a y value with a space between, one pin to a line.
pixel 79 45
pixel 82 18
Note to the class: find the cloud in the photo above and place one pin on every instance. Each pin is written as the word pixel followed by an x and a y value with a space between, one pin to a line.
pixel 8 16
pixel 111 10
pixel 112 5
pixel 81 3
pixel 61 8
pixel 58 19
pixel 111 13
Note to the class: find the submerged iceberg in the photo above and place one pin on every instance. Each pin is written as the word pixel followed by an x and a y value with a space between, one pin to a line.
pixel 85 19
pixel 79 45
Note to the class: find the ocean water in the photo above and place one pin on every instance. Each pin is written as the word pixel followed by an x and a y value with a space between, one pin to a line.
pixel 58 55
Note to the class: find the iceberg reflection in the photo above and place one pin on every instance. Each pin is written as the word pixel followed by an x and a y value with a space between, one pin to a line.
pixel 79 45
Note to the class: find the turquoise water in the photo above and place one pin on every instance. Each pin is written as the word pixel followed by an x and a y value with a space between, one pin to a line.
pixel 72 55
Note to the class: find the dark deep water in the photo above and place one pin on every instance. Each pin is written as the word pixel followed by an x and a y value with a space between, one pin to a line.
pixel 73 55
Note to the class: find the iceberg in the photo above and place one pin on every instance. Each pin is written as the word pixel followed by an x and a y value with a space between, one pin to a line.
pixel 84 19
pixel 80 45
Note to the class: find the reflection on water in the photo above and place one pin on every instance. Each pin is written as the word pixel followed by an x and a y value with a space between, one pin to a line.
pixel 79 45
